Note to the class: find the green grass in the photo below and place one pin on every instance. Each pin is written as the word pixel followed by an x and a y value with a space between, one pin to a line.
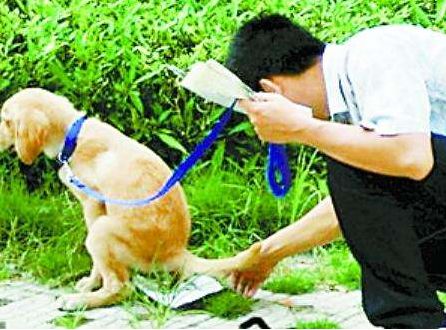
pixel 4 273
pixel 228 305
pixel 338 267
pixel 70 320
pixel 40 233
pixel 317 324
pixel 157 313
pixel 293 282
pixel 335 267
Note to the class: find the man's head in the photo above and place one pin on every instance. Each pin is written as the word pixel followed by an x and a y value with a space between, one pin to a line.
pixel 276 55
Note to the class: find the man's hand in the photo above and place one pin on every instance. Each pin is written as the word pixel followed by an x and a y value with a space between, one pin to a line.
pixel 275 118
pixel 247 281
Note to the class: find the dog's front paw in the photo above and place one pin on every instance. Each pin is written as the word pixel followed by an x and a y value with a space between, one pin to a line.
pixel 87 284
pixel 71 302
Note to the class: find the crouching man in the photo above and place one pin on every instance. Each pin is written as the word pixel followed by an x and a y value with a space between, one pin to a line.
pixel 379 117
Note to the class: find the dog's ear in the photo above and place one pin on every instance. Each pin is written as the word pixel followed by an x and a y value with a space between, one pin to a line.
pixel 31 132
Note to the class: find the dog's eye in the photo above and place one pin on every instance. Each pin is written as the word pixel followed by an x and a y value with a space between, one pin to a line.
pixel 7 122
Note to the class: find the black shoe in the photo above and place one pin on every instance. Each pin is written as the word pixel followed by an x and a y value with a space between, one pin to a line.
pixel 254 321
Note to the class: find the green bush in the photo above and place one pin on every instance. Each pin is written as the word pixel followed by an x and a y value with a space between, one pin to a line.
pixel 109 57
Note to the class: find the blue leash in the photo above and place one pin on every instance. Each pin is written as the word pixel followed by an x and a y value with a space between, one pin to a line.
pixel 278 166
pixel 278 172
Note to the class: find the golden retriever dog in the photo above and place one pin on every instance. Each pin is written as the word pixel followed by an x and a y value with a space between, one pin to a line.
pixel 35 121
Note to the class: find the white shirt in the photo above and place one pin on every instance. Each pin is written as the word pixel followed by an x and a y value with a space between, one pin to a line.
pixel 390 79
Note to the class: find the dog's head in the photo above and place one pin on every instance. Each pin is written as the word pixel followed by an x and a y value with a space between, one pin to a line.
pixel 25 124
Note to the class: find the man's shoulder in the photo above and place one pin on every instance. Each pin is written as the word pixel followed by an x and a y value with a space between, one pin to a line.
pixel 384 34
pixel 379 47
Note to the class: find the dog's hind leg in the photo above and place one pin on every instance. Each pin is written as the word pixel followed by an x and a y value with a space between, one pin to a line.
pixel 110 258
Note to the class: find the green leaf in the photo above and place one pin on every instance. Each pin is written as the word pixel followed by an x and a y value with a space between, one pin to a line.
pixel 419 14
pixel 218 157
pixel 244 126
pixel 171 142
pixel 60 73
pixel 441 10
pixel 164 116
pixel 136 101
pixel 4 83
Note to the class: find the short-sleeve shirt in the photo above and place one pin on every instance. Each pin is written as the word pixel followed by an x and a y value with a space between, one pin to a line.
pixel 389 79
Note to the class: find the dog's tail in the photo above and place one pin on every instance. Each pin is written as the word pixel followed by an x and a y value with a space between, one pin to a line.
pixel 189 264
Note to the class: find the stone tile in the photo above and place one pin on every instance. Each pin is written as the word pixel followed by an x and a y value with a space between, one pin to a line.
pixel 117 324
pixel 276 316
pixel 213 323
pixel 186 321
pixel 98 323
pixel 22 307
pixel 15 292
pixel 104 312
pixel 34 306
pixel 264 295
pixel 359 321
pixel 40 315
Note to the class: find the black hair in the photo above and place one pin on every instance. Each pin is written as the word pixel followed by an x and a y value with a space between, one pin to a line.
pixel 269 45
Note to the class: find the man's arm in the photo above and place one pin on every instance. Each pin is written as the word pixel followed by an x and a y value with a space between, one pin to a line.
pixel 317 227
pixel 406 155
pixel 277 119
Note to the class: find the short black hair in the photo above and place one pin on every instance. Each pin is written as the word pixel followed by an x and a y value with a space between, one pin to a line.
pixel 269 45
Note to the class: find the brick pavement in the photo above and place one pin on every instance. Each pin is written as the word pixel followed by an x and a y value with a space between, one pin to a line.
pixel 29 305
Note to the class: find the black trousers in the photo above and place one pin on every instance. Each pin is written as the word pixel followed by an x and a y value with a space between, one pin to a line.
pixel 396 229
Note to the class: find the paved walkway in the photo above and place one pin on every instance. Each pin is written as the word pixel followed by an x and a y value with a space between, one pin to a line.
pixel 29 305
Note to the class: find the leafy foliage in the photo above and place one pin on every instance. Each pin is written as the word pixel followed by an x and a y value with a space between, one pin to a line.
pixel 109 57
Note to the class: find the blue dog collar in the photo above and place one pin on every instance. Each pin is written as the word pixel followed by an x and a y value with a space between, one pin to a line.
pixel 70 142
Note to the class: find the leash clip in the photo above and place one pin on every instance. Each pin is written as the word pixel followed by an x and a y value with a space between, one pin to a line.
pixel 67 173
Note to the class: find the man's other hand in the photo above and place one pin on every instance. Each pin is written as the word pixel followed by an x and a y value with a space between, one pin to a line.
pixel 248 280
pixel 275 118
